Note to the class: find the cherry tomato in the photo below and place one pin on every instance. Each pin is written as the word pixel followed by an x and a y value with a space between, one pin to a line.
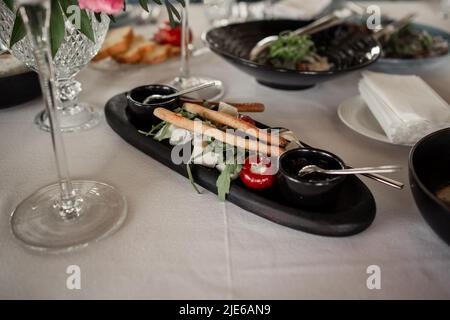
pixel 257 175
pixel 247 119
pixel 168 35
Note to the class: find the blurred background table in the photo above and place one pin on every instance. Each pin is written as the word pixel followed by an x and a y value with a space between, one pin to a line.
pixel 177 244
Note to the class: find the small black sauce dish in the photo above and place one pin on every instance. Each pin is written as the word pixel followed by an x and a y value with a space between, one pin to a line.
pixel 313 190
pixel 141 114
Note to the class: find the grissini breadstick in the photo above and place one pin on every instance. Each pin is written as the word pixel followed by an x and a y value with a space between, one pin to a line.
pixel 226 137
pixel 236 123
pixel 241 107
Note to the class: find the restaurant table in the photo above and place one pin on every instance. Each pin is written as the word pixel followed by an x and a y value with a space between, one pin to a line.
pixel 176 244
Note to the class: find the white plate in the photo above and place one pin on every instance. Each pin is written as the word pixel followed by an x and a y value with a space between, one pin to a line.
pixel 355 114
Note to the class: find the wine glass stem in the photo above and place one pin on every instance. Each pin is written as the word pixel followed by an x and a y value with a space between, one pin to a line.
pixel 36 20
pixel 185 71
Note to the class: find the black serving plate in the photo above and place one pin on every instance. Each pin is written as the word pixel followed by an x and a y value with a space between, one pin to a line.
pixel 19 88
pixel 353 212
pixel 235 41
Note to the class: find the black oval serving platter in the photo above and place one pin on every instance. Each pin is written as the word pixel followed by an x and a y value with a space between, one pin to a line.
pixel 353 212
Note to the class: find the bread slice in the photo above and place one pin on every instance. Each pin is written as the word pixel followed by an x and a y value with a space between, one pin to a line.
pixel 117 41
pixel 159 54
pixel 138 47
pixel 175 51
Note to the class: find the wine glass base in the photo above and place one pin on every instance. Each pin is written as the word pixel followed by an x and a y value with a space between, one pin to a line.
pixel 212 93
pixel 82 117
pixel 37 224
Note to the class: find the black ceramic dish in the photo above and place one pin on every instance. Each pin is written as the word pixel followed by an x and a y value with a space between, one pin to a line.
pixel 311 191
pixel 142 114
pixel 429 171
pixel 331 43
pixel 19 88
pixel 353 212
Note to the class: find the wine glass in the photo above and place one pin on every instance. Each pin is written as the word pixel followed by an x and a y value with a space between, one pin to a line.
pixel 75 51
pixel 69 214
pixel 185 80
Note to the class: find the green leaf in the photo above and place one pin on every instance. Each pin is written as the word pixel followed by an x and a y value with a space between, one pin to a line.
pixel 173 9
pixel 191 178
pixel 163 133
pixel 113 20
pixel 182 3
pixel 144 4
pixel 9 4
pixel 57 27
pixel 85 20
pixel 223 182
pixel 157 2
pixel 98 16
pixel 171 18
pixel 18 31
pixel 86 26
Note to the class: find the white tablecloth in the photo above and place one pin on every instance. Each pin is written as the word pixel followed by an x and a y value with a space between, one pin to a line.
pixel 177 244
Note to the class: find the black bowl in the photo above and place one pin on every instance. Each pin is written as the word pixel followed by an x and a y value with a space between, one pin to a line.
pixel 19 88
pixel 313 191
pixel 429 171
pixel 141 114
pixel 235 41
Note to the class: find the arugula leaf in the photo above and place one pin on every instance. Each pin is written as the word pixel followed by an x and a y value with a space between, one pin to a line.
pixel 223 182
pixel 191 178
pixel 163 133
pixel 18 31
pixel 9 4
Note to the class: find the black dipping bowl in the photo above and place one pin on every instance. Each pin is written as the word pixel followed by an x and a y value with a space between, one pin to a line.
pixel 235 41
pixel 429 171
pixel 141 114
pixel 313 192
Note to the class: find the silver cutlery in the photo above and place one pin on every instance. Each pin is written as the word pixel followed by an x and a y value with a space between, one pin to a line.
pixel 328 21
pixel 289 135
pixel 316 169
pixel 180 93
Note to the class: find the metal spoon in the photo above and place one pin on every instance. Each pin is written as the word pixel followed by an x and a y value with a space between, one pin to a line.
pixel 179 93
pixel 328 21
pixel 289 135
pixel 315 169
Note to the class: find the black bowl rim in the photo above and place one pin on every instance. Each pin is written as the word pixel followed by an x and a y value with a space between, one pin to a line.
pixel 283 70
pixel 140 104
pixel 414 174
pixel 334 180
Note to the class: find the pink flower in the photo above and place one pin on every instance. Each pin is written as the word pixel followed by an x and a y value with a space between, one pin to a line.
pixel 105 6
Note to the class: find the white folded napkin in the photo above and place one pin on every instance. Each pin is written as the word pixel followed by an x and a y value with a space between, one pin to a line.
pixel 405 106
pixel 299 9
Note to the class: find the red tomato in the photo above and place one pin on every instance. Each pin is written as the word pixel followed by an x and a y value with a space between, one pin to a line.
pixel 247 119
pixel 255 175
pixel 168 35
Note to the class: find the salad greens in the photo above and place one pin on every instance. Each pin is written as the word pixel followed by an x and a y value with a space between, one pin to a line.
pixel 224 181
pixel 229 170
pixel 411 43
pixel 296 52
pixel 292 48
